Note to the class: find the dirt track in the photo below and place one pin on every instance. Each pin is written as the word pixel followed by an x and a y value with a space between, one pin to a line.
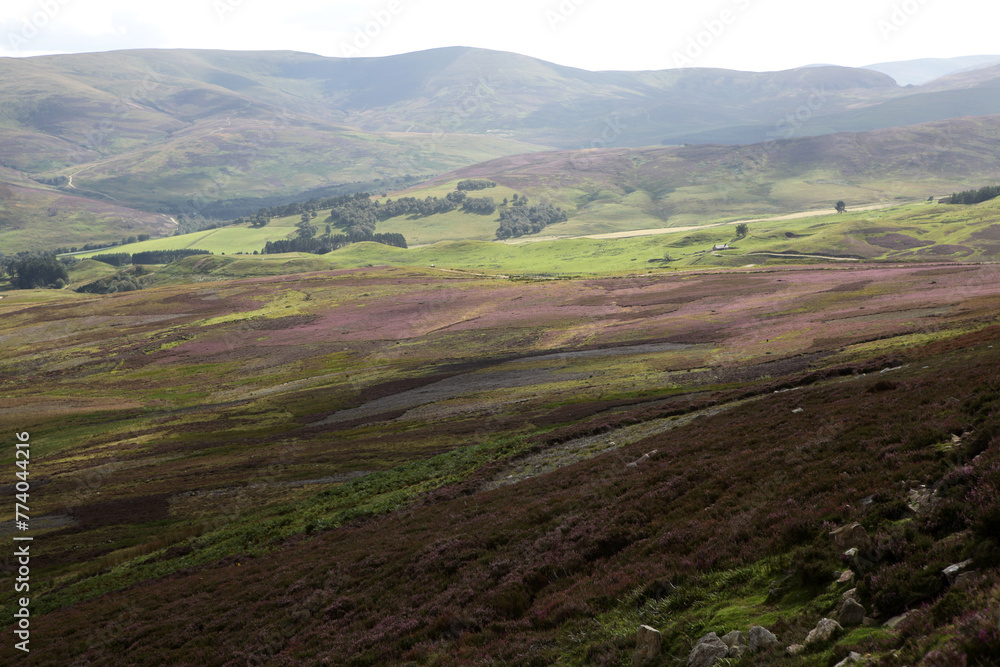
pixel 692 228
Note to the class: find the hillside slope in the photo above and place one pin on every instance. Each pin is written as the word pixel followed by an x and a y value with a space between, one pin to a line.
pixel 616 190
pixel 398 466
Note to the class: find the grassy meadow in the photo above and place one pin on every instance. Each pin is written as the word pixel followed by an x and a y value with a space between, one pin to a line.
pixel 921 232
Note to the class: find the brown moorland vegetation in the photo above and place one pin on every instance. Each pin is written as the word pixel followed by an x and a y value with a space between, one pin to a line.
pixel 314 469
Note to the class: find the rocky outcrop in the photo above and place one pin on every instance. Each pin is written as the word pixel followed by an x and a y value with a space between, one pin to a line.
pixel 760 639
pixel 707 651
pixel 851 536
pixel 851 614
pixel 647 645
pixel 736 642
pixel 824 631
pixel 851 659
pixel 953 571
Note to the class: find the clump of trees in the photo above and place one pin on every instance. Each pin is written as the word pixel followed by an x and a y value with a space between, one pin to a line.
pixel 147 256
pixel 975 196
pixel 320 245
pixel 131 279
pixel 521 219
pixel 479 205
pixel 114 258
pixel 475 184
pixel 36 272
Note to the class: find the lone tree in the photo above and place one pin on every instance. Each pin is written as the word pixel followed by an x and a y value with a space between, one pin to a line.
pixel 742 230
pixel 840 206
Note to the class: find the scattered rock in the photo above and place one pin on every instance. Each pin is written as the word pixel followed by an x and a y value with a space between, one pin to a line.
pixel 851 659
pixel 846 576
pixel 852 536
pixel 736 642
pixel 647 645
pixel 921 499
pixel 641 459
pixel 795 649
pixel 824 631
pixel 870 622
pixel 851 614
pixel 760 639
pixel 850 595
pixel 952 571
pixel 707 651
pixel 858 563
pixel 797 411
pixel 894 622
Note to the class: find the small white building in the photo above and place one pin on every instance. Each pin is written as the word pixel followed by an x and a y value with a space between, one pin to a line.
pixel 724 246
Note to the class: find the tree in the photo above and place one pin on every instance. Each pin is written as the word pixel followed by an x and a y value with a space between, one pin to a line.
pixel 840 206
pixel 306 230
pixel 742 230
pixel 43 272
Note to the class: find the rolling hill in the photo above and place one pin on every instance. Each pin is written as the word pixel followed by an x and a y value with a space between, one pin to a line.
pixel 923 70
pixel 617 190
pixel 192 132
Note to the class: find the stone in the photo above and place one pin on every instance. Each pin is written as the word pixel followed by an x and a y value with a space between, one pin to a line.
pixel 895 621
pixel 795 649
pixel 641 459
pixel 851 614
pixel 736 642
pixel 824 631
pixel 921 500
pixel 850 536
pixel 952 571
pixel 850 595
pixel 647 645
pixel 851 659
pixel 846 577
pixel 858 563
pixel 707 651
pixel 760 639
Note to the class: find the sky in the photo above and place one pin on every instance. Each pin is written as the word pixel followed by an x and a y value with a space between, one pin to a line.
pixel 757 35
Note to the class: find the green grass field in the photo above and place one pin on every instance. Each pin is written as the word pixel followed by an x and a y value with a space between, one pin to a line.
pixel 915 232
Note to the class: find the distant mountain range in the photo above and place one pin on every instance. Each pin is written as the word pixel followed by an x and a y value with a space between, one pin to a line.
pixel 179 131
pixel 924 70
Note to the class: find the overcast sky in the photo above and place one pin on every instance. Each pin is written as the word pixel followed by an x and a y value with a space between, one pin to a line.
pixel 592 34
